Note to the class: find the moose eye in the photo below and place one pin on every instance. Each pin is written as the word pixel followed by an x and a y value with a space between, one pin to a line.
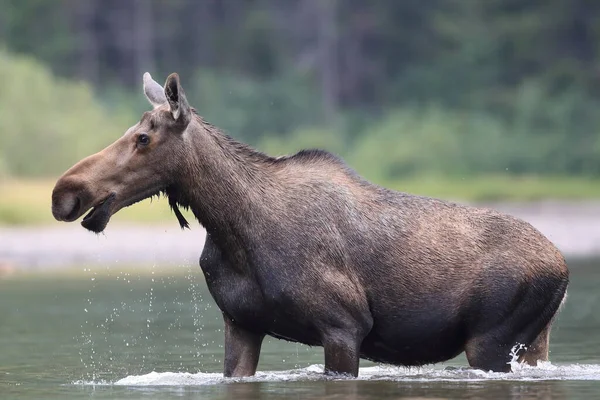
pixel 143 139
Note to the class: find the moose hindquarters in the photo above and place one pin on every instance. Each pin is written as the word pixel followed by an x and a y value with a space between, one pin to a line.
pixel 515 325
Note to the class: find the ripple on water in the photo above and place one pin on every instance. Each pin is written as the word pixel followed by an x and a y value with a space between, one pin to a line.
pixel 544 371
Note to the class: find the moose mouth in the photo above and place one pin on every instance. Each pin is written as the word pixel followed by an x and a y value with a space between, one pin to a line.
pixel 97 219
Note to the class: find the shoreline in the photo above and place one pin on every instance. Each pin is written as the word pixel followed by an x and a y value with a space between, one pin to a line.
pixel 573 226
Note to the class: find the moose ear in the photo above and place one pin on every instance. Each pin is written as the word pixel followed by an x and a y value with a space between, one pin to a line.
pixel 180 109
pixel 153 91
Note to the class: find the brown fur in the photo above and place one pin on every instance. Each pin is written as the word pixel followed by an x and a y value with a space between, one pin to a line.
pixel 301 247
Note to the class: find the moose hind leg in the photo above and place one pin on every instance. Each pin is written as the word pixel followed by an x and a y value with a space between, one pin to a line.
pixel 489 353
pixel 525 328
pixel 538 350
pixel 495 350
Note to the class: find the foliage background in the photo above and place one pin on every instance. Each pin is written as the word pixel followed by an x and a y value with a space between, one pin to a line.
pixel 401 89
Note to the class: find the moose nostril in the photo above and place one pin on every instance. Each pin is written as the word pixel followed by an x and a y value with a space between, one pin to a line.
pixel 74 210
pixel 66 207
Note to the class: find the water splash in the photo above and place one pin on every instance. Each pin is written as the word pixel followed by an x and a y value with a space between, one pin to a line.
pixel 521 372
pixel 515 353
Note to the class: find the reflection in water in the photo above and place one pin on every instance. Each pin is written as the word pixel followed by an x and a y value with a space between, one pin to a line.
pixel 370 390
pixel 363 390
pixel 442 390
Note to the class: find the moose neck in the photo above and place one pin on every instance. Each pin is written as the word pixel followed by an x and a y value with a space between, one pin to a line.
pixel 222 182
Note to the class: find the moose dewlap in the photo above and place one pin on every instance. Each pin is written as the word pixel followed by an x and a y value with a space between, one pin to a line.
pixel 304 249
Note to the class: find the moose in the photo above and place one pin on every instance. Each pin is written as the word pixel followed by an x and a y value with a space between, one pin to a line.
pixel 303 248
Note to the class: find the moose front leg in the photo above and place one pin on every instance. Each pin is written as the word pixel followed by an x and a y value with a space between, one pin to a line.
pixel 343 326
pixel 341 356
pixel 242 349
pixel 342 349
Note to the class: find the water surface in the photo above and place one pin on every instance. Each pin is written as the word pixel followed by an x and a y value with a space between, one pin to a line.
pixel 106 333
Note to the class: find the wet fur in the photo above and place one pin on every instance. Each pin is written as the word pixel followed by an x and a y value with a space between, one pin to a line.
pixel 303 248
pixel 300 243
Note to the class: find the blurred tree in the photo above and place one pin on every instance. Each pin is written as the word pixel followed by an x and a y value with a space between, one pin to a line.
pixel 529 65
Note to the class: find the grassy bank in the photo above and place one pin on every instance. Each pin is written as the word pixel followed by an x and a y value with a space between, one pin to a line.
pixel 498 188
pixel 27 202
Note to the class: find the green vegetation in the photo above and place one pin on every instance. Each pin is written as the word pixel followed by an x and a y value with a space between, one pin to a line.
pixel 46 123
pixel 399 88
pixel 433 140
pixel 449 98
pixel 432 151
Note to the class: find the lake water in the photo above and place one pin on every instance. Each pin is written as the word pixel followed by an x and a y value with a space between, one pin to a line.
pixel 103 333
